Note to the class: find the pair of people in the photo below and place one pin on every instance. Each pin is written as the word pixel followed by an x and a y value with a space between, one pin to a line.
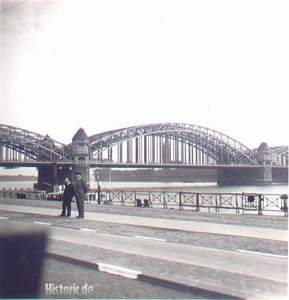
pixel 77 189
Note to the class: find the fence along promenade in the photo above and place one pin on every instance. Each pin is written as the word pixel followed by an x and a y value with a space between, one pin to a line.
pixel 253 203
pixel 204 201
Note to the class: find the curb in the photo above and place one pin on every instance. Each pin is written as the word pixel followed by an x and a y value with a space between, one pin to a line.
pixel 138 275
pixel 73 260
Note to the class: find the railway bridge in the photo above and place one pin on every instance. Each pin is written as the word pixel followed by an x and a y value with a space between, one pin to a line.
pixel 161 145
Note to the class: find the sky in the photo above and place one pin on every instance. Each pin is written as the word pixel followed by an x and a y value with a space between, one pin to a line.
pixel 103 65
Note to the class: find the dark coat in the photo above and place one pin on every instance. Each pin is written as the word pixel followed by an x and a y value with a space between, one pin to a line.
pixel 80 188
pixel 68 192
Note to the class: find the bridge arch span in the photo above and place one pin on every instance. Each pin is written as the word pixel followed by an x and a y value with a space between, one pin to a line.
pixel 24 145
pixel 215 145
pixel 279 155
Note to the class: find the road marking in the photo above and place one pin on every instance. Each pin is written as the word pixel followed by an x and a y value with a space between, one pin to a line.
pixel 4 218
pixel 262 253
pixel 88 229
pixel 149 238
pixel 41 223
pixel 129 273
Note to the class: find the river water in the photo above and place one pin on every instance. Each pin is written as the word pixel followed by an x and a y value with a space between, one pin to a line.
pixel 170 186
pixel 193 187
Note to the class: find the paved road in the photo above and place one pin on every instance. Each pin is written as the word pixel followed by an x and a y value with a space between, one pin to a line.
pixel 242 263
pixel 270 270
pixel 235 230
pixel 217 241
pixel 230 261
pixel 234 284
pixel 94 284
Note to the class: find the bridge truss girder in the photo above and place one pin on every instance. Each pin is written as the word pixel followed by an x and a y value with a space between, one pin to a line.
pixel 279 155
pixel 29 145
pixel 215 146
pixel 213 143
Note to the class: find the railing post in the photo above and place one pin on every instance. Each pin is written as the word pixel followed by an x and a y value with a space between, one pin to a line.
pixel 243 200
pixel 198 202
pixel 164 199
pixel 237 204
pixel 180 201
pixel 98 194
pixel 122 203
pixel 109 197
pixel 150 200
pixel 134 198
pixel 284 205
pixel 260 199
pixel 216 201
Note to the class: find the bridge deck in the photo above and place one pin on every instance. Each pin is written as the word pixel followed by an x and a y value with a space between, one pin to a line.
pixel 130 165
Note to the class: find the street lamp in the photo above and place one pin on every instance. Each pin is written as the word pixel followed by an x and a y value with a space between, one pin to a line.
pixel 98 187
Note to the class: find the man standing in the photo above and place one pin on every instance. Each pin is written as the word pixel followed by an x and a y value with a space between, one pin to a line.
pixel 80 190
pixel 67 197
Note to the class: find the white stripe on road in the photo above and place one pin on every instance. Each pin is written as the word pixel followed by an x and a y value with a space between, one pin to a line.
pixel 149 238
pixel 262 253
pixel 133 274
pixel 88 229
pixel 4 218
pixel 41 223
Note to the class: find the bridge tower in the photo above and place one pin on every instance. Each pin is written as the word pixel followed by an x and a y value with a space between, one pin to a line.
pixel 81 154
pixel 265 160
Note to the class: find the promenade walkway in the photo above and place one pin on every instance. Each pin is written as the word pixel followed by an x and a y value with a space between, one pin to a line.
pixel 227 229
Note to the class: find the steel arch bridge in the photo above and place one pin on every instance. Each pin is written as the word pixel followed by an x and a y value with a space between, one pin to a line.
pixel 18 144
pixel 161 143
pixel 171 143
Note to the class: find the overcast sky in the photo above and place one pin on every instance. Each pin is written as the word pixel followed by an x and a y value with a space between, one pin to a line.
pixel 104 65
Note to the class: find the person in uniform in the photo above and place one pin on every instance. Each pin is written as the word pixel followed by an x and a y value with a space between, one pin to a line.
pixel 80 190
pixel 67 198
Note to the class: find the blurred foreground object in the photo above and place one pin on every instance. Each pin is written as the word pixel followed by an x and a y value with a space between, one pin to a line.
pixel 22 250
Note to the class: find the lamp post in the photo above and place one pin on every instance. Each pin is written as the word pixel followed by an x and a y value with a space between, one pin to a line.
pixel 98 187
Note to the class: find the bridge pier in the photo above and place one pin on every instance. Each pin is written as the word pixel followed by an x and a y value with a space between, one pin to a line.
pixel 245 175
pixel 261 175
pixel 280 175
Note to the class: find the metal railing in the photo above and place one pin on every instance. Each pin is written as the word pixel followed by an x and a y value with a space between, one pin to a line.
pixel 253 203
pixel 23 193
pixel 257 203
